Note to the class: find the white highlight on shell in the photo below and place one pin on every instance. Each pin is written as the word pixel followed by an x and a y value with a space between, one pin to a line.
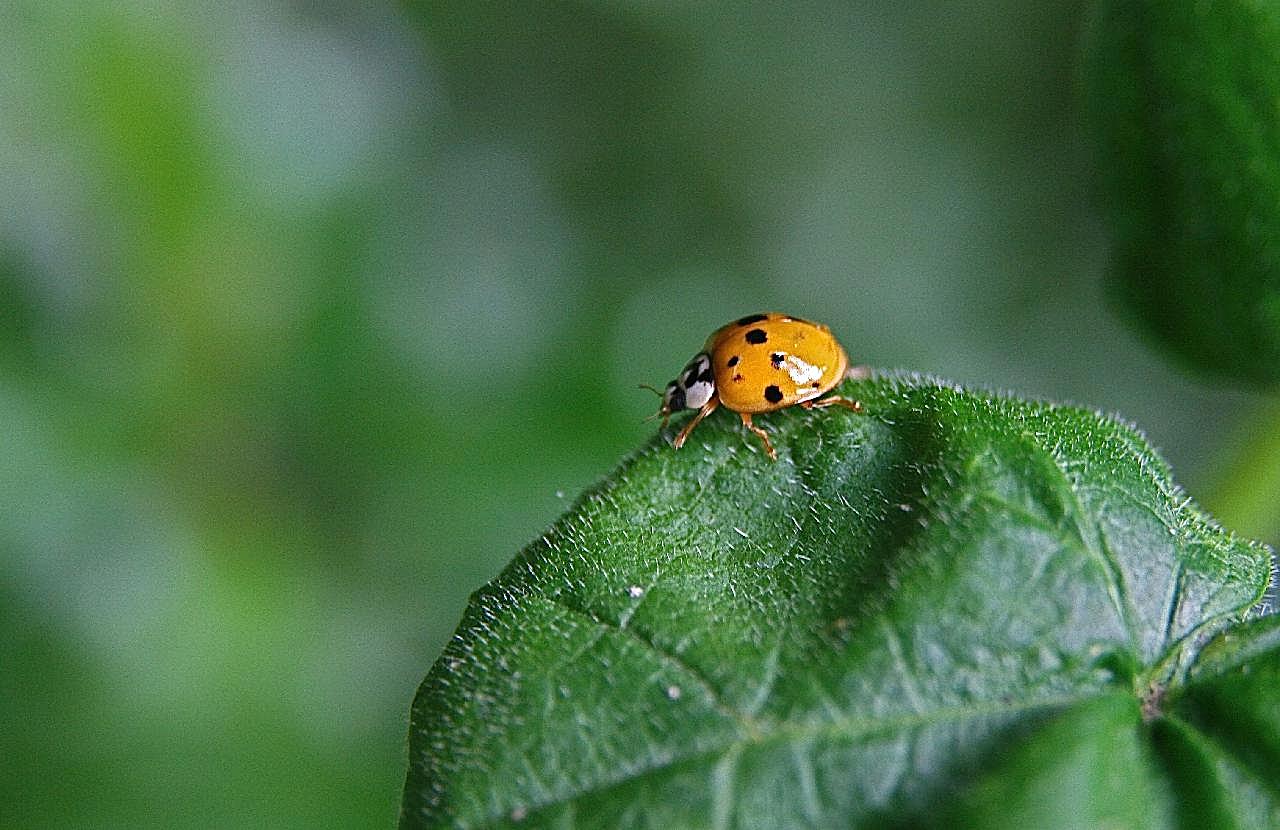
pixel 802 372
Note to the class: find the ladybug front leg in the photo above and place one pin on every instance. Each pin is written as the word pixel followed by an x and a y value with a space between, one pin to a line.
pixel 834 400
pixel 707 409
pixel 764 436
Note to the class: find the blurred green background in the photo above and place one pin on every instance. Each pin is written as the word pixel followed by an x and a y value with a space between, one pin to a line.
pixel 312 314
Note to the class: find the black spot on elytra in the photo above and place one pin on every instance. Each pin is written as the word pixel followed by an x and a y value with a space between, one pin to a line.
pixel 737 378
pixel 733 361
pixel 756 337
pixel 772 394
pixel 776 359
pixel 752 318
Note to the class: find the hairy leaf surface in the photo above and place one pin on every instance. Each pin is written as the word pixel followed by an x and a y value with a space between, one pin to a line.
pixel 956 608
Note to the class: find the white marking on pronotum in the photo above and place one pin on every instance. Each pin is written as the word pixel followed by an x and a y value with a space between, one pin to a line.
pixel 696 396
pixel 696 367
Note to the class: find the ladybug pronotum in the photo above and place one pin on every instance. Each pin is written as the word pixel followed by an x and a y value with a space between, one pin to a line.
pixel 760 363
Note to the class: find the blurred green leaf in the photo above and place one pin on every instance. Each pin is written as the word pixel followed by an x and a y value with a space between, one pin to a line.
pixel 1184 102
pixel 955 601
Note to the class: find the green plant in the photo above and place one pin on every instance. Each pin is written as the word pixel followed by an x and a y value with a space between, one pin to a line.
pixel 1182 97
pixel 956 608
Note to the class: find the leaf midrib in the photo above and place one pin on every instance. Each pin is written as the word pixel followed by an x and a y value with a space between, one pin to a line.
pixel 848 729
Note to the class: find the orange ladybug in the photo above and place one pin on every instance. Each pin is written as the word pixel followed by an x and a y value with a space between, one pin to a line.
pixel 760 363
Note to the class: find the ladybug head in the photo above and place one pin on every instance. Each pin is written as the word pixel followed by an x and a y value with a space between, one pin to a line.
pixel 673 400
pixel 695 386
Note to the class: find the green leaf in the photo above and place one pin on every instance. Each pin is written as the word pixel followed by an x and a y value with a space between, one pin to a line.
pixel 955 605
pixel 1185 101
pixel 1090 766
pixel 1228 717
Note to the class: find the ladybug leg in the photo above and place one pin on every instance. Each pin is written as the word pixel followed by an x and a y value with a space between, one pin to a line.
pixel 707 409
pixel 764 436
pixel 834 400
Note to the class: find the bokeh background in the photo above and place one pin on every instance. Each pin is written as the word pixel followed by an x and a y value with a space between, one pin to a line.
pixel 313 313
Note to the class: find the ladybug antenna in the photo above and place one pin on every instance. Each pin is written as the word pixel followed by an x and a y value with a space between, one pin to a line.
pixel 665 416
pixel 663 412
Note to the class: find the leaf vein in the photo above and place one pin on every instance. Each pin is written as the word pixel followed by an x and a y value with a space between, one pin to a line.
pixel 744 720
pixel 846 729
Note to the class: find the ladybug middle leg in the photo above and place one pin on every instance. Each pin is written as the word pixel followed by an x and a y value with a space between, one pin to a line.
pixel 764 436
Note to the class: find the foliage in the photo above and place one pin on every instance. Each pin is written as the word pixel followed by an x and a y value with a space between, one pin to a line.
pixel 1183 100
pixel 955 600
pixel 312 314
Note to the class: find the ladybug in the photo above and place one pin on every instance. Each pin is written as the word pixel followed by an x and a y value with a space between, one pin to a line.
pixel 760 363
